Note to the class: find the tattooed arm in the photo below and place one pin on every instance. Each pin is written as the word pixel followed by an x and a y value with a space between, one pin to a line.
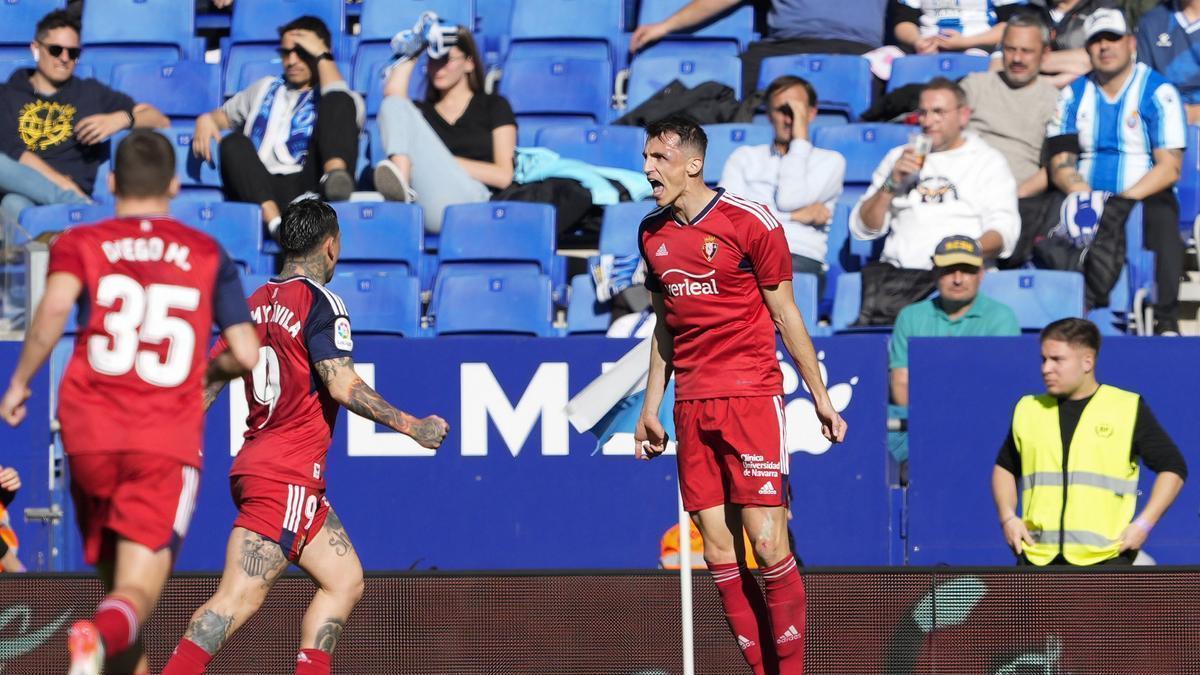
pixel 1064 173
pixel 348 389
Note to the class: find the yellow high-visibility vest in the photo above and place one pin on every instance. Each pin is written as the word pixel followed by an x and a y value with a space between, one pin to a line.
pixel 1101 477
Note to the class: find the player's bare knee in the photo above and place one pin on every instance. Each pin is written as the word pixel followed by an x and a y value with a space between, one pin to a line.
pixel 770 548
pixel 719 553
pixel 347 587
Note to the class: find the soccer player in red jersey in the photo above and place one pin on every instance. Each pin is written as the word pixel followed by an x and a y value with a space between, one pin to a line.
pixel 305 372
pixel 149 290
pixel 720 279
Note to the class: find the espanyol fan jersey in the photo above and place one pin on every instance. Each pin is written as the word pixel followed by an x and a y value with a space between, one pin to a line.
pixel 1117 138
pixel 152 289
pixel 290 425
pixel 709 273
pixel 969 17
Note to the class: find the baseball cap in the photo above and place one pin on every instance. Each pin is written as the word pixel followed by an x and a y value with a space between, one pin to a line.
pixel 958 250
pixel 1105 20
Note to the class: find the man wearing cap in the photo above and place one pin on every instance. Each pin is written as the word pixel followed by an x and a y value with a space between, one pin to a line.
pixel 1122 129
pixel 1074 452
pixel 958 310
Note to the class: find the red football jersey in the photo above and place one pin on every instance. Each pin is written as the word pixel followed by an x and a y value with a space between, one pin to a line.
pixel 709 272
pixel 152 289
pixel 292 415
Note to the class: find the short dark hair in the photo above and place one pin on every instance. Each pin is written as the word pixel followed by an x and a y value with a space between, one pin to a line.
pixel 59 18
pixel 306 224
pixel 787 82
pixel 943 84
pixel 310 23
pixel 686 128
pixel 144 164
pixel 1075 332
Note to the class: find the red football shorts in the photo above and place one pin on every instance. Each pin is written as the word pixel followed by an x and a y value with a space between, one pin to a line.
pixel 145 498
pixel 731 451
pixel 289 515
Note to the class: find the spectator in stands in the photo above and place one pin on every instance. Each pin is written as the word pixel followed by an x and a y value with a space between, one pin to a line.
pixel 793 27
pixel 294 133
pixel 963 186
pixel 454 147
pixel 929 28
pixel 1165 43
pixel 54 127
pixel 1078 507
pixel 1067 59
pixel 799 183
pixel 1100 139
pixel 958 310
pixel 10 482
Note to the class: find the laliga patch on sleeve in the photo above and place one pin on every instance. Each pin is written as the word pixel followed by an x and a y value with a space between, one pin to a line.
pixel 341 334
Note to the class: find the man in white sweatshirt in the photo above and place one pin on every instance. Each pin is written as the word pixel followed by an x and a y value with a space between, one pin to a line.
pixel 963 186
pixel 799 183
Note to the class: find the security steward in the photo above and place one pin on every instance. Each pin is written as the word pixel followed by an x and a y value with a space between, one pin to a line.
pixel 1074 452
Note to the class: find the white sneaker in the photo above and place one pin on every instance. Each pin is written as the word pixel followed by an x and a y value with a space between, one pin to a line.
pixel 87 651
pixel 390 183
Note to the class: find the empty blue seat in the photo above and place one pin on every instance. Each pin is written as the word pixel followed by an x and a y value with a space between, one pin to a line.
pixel 126 31
pixel 237 226
pixel 617 146
pixel 619 228
pixel 587 29
pixel 1189 181
pixel 864 145
pixel 584 313
pixel 375 82
pixel 921 68
pixel 648 74
pixel 548 91
pixel 197 178
pixel 804 290
pixel 1038 297
pixel 18 19
pixel 186 89
pixel 511 232
pixel 252 282
pixel 847 301
pixel 498 300
pixel 732 29
pixel 843 82
pixel 378 235
pixel 723 139
pixel 380 302
pixel 55 217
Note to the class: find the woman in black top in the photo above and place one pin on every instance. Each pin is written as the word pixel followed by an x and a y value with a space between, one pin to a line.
pixel 456 146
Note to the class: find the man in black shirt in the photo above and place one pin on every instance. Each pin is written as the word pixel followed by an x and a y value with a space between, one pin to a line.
pixel 1075 451
pixel 54 127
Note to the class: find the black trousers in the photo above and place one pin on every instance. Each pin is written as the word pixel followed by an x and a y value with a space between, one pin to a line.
pixel 335 136
pixel 757 51
pixel 1160 227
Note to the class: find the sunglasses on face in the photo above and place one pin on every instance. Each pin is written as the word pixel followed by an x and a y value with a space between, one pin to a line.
pixel 57 50
pixel 298 51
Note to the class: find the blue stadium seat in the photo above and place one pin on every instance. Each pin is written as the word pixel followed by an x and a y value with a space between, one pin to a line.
pixel 804 289
pixel 198 179
pixel 38 219
pixel 617 146
pixel 498 300
pixel 374 85
pixel 619 229
pixel 723 139
pixel 254 32
pixel 237 226
pixel 580 29
pixel 648 74
pixel 847 301
pixel 252 282
pixel 249 71
pixel 1188 186
pixel 186 89
pixel 584 313
pixel 732 30
pixel 380 302
pixel 491 232
pixel 864 146
pixel 17 21
pixel 380 236
pixel 381 19
pixel 555 91
pixel 921 68
pixel 492 21
pixel 1038 297
pixel 126 31
pixel 843 82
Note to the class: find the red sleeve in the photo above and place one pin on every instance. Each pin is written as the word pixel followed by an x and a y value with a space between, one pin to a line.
pixel 768 251
pixel 65 256
pixel 218 347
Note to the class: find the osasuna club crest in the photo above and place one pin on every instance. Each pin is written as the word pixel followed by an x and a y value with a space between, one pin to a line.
pixel 710 248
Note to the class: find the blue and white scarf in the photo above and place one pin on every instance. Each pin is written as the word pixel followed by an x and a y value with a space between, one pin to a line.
pixel 304 120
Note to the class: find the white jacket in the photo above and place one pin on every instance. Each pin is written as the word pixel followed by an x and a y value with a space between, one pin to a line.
pixel 965 191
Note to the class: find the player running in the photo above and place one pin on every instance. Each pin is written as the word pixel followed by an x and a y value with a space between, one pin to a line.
pixel 278 479
pixel 720 279
pixel 149 290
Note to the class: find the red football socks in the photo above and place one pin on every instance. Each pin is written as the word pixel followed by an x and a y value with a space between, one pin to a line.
pixel 746 612
pixel 785 599
pixel 313 662
pixel 117 623
pixel 187 659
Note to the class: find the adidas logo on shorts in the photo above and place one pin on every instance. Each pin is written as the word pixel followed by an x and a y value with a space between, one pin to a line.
pixel 767 489
pixel 789 635
pixel 744 642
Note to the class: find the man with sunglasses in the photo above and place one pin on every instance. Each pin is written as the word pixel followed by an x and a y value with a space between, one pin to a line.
pixel 54 127
pixel 294 133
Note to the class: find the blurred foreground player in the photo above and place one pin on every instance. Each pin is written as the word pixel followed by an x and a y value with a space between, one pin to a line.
pixel 278 479
pixel 720 279
pixel 149 290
